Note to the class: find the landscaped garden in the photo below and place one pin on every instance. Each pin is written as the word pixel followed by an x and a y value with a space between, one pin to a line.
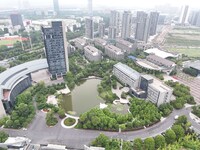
pixel 69 121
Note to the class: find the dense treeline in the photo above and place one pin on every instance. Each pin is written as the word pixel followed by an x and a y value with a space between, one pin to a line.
pixel 23 112
pixel 190 71
pixel 142 113
pixel 180 136
pixel 182 94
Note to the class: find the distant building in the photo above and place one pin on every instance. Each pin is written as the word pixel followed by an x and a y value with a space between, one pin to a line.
pixel 195 18
pixel 89 28
pixel 92 54
pixel 142 26
pixel 100 42
pixel 159 93
pixel 126 75
pixel 80 43
pixel 71 49
pixel 112 33
pixel 101 29
pixel 115 21
pixel 114 52
pixel 184 15
pixel 126 24
pixel 162 62
pixel 16 20
pixel 126 46
pixel 153 23
pixel 56 48
pixel 90 9
pixel 56 6
pixel 161 19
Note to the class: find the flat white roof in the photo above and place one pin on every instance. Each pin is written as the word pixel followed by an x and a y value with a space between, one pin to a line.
pixel 127 70
pixel 80 41
pixel 92 50
pixel 159 53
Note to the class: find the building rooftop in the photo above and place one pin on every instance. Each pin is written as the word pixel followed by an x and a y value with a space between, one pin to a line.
pixel 160 59
pixel 11 76
pixel 160 86
pixel 80 41
pixel 114 49
pixel 126 43
pixel 195 65
pixel 147 77
pixel 127 70
pixel 101 41
pixel 160 53
pixel 92 50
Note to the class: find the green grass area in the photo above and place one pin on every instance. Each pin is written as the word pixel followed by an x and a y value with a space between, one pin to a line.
pixel 69 121
pixel 191 52
pixel 119 108
pixel 7 42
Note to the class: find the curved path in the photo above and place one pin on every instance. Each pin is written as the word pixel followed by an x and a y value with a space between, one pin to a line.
pixel 39 133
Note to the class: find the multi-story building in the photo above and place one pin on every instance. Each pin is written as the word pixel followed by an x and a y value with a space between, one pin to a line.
pixel 112 32
pixel 184 15
pixel 16 20
pixel 159 93
pixel 101 29
pixel 89 28
pixel 71 49
pixel 114 52
pixel 115 21
pixel 195 18
pixel 126 46
pixel 92 54
pixel 161 19
pixel 56 6
pixel 80 43
pixel 142 26
pixel 126 24
pixel 126 75
pixel 153 23
pixel 56 48
pixel 162 62
pixel 90 10
pixel 100 42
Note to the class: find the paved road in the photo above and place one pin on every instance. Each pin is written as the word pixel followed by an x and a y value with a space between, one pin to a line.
pixel 76 138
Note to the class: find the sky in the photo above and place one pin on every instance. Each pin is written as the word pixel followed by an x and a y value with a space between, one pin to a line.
pixel 100 3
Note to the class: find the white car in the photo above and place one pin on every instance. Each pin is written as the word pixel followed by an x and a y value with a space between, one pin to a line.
pixel 176 117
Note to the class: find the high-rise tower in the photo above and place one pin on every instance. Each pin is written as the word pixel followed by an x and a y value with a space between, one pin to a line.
pixel 126 24
pixel 56 6
pixel 56 48
pixel 153 23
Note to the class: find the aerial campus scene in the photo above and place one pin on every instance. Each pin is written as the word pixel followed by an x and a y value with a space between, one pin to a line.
pixel 99 75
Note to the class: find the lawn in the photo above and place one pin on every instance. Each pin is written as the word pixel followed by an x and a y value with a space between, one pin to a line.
pixel 191 52
pixel 8 42
pixel 119 108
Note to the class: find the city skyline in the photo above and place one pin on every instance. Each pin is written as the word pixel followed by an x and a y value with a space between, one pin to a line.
pixel 103 3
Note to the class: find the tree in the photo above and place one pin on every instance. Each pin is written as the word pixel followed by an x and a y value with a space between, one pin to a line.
pixel 51 120
pixel 61 113
pixel 100 141
pixel 3 136
pixel 138 144
pixel 170 136
pixel 149 144
pixel 179 131
pixel 127 145
pixel 159 141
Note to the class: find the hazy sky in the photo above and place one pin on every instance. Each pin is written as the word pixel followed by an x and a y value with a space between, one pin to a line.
pixel 97 3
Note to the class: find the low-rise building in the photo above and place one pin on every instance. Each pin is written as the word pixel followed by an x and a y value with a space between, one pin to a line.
pixel 158 93
pixel 162 62
pixel 92 54
pixel 71 49
pixel 80 43
pixel 100 42
pixel 126 75
pixel 126 46
pixel 114 52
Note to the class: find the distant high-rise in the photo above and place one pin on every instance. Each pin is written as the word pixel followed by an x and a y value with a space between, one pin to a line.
pixel 161 19
pixel 115 20
pixel 56 48
pixel 101 29
pixel 195 18
pixel 90 10
pixel 56 6
pixel 16 20
pixel 153 23
pixel 142 26
pixel 112 32
pixel 184 15
pixel 89 28
pixel 126 24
